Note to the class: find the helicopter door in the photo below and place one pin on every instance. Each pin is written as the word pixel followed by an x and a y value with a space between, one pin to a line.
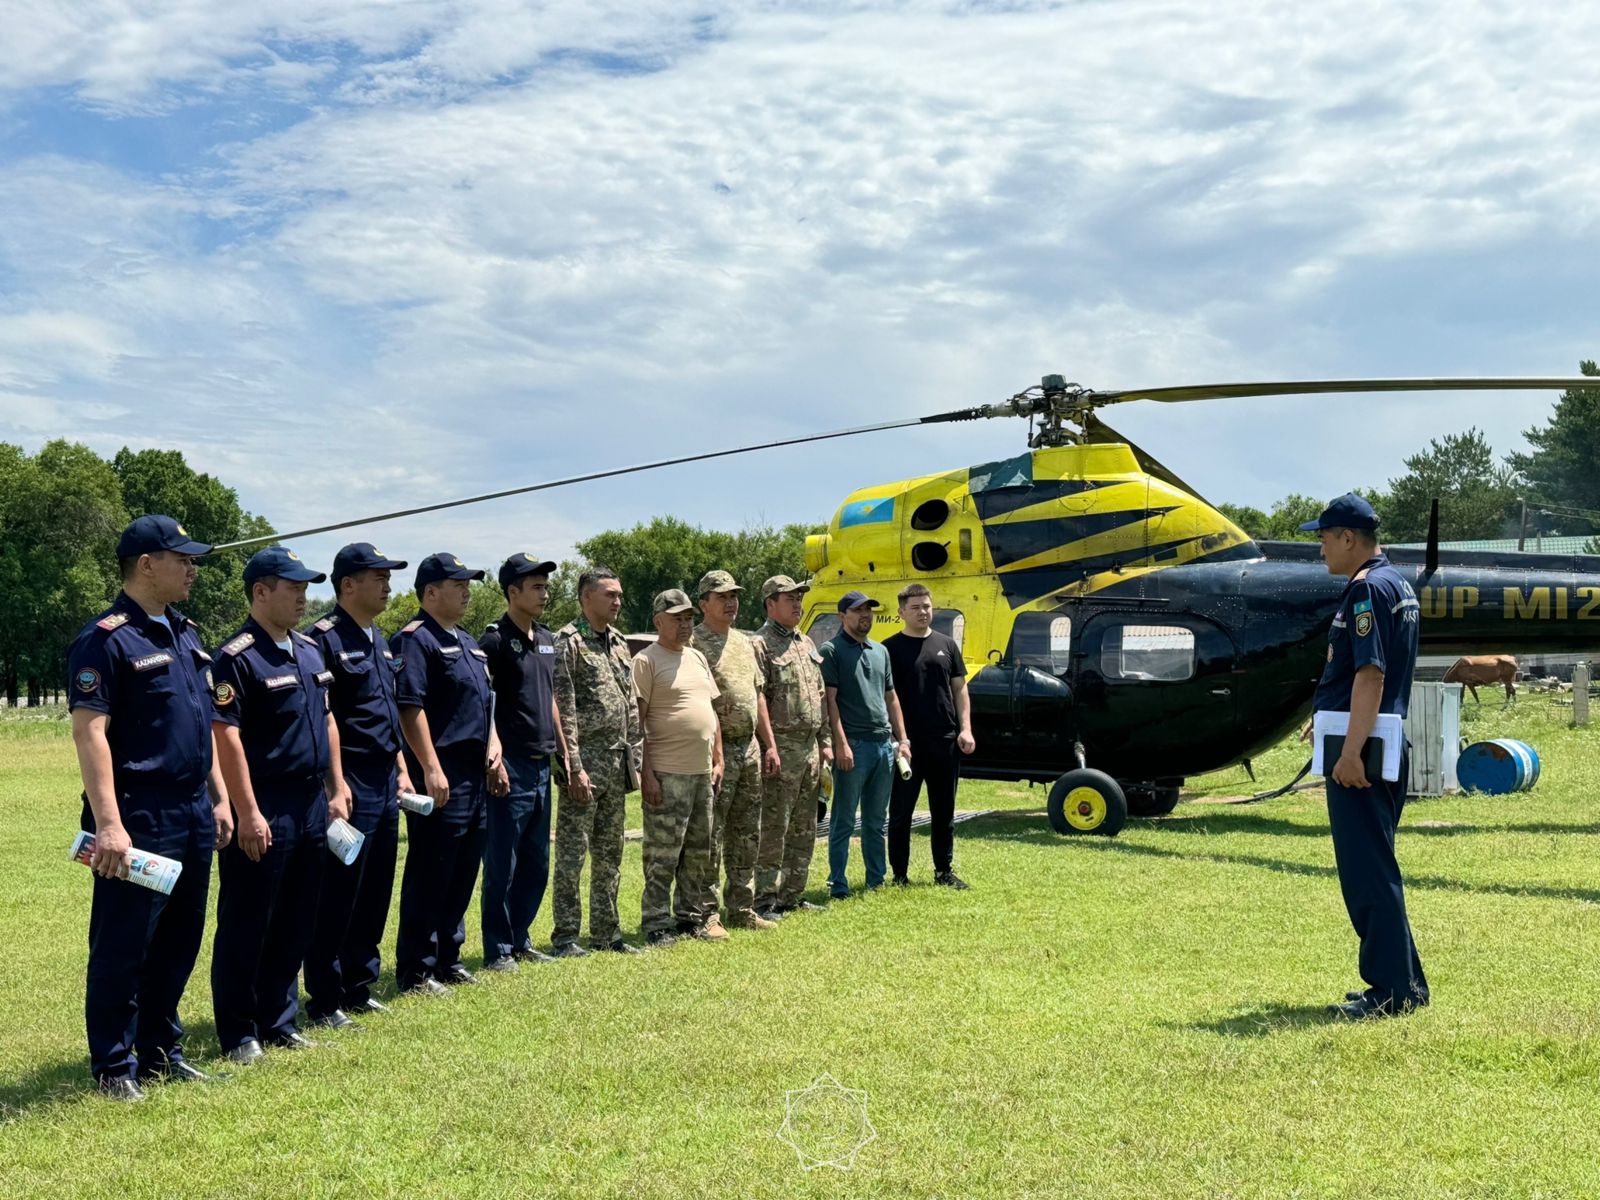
pixel 1152 686
pixel 1022 704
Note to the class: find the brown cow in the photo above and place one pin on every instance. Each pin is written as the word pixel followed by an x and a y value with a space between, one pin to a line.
pixel 1486 669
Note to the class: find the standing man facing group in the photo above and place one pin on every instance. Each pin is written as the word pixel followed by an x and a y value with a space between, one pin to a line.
pixel 930 681
pixel 516 860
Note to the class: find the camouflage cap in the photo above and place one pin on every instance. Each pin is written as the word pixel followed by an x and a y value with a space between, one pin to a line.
pixel 716 581
pixel 780 584
pixel 672 601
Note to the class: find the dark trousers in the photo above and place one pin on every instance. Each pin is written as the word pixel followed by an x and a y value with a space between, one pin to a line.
pixel 442 855
pixel 516 857
pixel 938 764
pixel 1363 822
pixel 344 960
pixel 143 945
pixel 265 915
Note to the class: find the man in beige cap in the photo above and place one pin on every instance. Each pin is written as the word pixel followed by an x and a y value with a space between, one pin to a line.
pixel 799 717
pixel 682 769
pixel 735 660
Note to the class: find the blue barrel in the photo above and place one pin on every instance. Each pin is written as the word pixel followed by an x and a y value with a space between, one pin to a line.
pixel 1498 767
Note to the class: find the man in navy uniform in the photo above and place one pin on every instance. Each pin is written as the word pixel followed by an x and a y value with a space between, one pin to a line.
pixel 516 856
pixel 279 750
pixel 343 962
pixel 1372 650
pixel 141 725
pixel 453 750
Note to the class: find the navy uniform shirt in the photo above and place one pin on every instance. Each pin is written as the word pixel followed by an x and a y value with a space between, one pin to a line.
pixel 523 671
pixel 446 674
pixel 364 685
pixel 154 683
pixel 279 704
pixel 1376 624
pixel 861 674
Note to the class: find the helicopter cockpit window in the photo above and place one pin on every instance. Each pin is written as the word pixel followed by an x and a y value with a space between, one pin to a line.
pixel 1163 653
pixel 952 624
pixel 1042 641
pixel 823 628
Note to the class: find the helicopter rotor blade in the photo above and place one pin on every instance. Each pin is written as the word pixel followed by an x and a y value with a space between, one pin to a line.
pixel 961 414
pixel 1303 387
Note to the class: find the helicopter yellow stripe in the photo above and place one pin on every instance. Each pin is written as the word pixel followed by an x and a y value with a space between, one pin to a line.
pixel 1129 538
pixel 1117 497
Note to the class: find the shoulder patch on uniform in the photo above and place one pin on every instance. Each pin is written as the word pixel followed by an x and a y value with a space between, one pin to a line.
pixel 413 627
pixel 114 621
pixel 324 625
pixel 243 642
pixel 1364 622
pixel 306 638
pixel 223 694
pixel 87 680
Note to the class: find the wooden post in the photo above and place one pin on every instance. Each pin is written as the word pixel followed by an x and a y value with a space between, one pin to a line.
pixel 1580 694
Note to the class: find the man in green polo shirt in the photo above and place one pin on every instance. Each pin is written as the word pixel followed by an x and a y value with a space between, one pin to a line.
pixel 868 733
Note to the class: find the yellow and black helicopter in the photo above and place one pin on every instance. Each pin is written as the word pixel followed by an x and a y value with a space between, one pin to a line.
pixel 1121 632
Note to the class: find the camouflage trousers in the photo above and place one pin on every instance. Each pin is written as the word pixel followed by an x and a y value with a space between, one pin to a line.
pixel 736 828
pixel 788 822
pixel 677 850
pixel 593 829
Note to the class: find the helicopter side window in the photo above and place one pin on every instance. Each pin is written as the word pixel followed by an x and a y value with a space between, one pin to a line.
pixel 1043 641
pixel 823 628
pixel 952 623
pixel 1161 653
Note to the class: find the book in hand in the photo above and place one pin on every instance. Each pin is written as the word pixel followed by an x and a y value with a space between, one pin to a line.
pixel 147 870
pixel 1381 754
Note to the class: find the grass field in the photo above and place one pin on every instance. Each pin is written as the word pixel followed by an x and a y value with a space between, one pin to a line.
pixel 1136 1017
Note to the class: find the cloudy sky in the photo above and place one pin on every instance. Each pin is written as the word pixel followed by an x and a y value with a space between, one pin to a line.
pixel 352 257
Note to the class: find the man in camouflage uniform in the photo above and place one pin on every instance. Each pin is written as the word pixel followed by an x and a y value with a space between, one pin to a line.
pixel 799 717
pixel 736 663
pixel 600 727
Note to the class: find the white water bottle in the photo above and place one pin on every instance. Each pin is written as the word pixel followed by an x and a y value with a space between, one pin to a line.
pixel 147 870
pixel 344 840
pixel 413 803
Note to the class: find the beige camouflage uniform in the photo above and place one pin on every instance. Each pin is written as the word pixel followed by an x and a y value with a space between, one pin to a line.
pixel 736 664
pixel 789 802
pixel 594 694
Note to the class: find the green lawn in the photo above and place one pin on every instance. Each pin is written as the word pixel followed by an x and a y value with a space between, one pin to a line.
pixel 1136 1017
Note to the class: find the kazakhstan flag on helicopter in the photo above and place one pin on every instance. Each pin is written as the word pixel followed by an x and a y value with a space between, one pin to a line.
pixel 867 512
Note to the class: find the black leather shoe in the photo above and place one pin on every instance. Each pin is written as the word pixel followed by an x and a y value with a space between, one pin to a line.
pixel 1355 995
pixel 293 1040
pixel 529 954
pixel 620 947
pixel 688 929
pixel 458 975
pixel 661 938
pixel 121 1088
pixel 505 964
pixel 369 1005
pixel 337 1019
pixel 771 913
pixel 899 881
pixel 1364 1009
pixel 245 1053
pixel 569 950
pixel 808 906
pixel 175 1071
pixel 949 879
pixel 427 986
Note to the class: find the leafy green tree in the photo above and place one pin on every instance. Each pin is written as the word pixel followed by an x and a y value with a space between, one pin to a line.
pixel 1248 518
pixel 1288 514
pixel 1475 493
pixel 1561 469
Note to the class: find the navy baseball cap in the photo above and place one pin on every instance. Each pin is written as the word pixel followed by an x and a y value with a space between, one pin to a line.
pixel 363 556
pixel 154 532
pixel 282 563
pixel 1349 511
pixel 524 563
pixel 438 567
pixel 855 600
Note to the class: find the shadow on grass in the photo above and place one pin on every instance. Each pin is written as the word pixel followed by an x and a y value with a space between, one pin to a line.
pixel 1261 1021
pixel 1206 820
pixel 1024 827
pixel 51 1083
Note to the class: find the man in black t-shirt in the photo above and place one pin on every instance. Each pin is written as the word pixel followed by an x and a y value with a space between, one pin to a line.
pixel 516 854
pixel 930 677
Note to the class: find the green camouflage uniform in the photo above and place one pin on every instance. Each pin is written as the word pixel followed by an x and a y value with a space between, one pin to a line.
pixel 594 694
pixel 789 802
pixel 736 665
pixel 677 849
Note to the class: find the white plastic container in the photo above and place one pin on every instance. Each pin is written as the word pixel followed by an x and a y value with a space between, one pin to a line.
pixel 344 840
pixel 147 870
pixel 413 803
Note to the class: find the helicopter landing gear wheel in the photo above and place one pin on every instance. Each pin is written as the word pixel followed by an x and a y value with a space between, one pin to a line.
pixel 1087 801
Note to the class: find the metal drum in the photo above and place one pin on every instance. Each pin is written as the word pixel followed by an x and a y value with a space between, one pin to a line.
pixel 1498 767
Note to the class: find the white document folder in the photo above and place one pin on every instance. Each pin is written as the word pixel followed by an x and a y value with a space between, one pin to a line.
pixel 1388 729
